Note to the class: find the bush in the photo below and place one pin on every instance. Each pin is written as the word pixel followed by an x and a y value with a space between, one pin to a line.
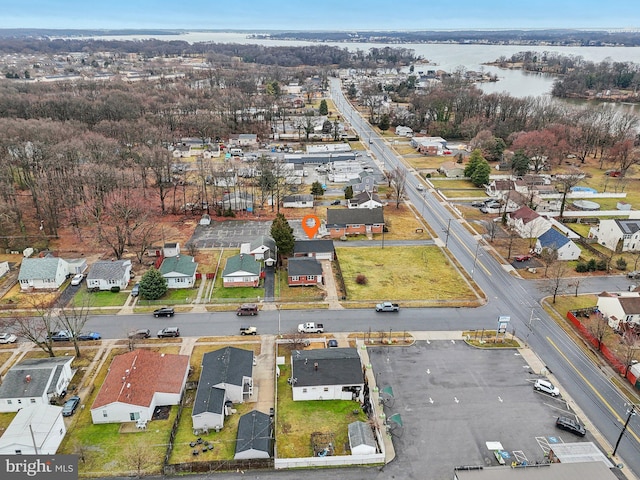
pixel 582 267
pixel 115 289
pixel 591 265
pixel 601 265
pixel 621 264
pixel 428 175
pixel 361 279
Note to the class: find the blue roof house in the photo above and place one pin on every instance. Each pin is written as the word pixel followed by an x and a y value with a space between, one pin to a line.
pixel 553 239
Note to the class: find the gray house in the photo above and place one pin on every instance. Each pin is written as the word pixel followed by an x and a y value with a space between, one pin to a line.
pixel 255 436
pixel 320 249
pixel 227 374
pixel 105 274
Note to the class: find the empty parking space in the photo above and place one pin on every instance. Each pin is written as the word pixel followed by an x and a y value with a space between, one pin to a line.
pixel 231 233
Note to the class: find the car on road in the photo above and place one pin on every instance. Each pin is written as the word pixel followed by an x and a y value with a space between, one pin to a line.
pixel 140 333
pixel 336 202
pixel 89 336
pixel 247 309
pixel 135 291
pixel 77 279
pixel 248 330
pixel 164 312
pixel 522 258
pixel 169 332
pixel 70 406
pixel 420 187
pixel 8 338
pixel 571 425
pixel 546 386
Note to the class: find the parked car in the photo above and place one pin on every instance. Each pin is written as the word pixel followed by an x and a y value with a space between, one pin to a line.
pixel 247 330
pixel 420 187
pixel 333 343
pixel 336 202
pixel 547 387
pixel 77 279
pixel 169 332
pixel 8 338
pixel 522 258
pixel 89 336
pixel 70 406
pixel 135 291
pixel 635 275
pixel 247 309
pixel 571 425
pixel 140 333
pixel 164 312
pixel 477 204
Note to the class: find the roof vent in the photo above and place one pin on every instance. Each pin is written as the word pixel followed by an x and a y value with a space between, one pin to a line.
pixel 315 366
pixel 27 378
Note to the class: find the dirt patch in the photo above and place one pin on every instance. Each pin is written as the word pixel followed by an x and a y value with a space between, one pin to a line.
pixel 161 413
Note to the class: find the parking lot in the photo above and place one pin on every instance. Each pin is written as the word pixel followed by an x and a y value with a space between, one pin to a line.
pixel 231 233
pixel 453 398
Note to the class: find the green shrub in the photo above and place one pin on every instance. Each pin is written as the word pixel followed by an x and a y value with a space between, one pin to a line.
pixel 115 289
pixel 582 267
pixel 621 264
pixel 601 265
pixel 592 265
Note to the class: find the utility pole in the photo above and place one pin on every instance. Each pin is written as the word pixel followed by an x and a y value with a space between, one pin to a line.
pixel 631 412
pixel 446 242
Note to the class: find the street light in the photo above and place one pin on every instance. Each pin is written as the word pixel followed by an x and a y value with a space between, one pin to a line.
pixel 631 412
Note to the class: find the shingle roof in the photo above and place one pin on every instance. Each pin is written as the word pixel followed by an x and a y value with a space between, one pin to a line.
pixel 552 238
pixel 360 434
pixel 39 268
pixel 244 263
pixel 303 266
pixel 356 216
pixel 182 264
pixel 630 305
pixel 263 240
pixel 298 198
pixel 228 365
pixel 108 270
pixel 525 214
pixel 365 196
pixel 42 373
pixel 335 366
pixel 254 432
pixel 135 377
pixel 628 227
pixel 313 246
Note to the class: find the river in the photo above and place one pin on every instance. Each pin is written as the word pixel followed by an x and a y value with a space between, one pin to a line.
pixel 446 56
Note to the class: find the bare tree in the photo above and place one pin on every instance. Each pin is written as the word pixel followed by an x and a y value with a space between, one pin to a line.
pixel 565 182
pixel 398 184
pixel 73 319
pixel 37 327
pixel 575 283
pixel 555 285
pixel 630 348
pixel 549 256
pixel 136 458
pixel 599 328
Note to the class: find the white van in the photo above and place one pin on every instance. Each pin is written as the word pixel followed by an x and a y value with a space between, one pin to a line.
pixel 236 151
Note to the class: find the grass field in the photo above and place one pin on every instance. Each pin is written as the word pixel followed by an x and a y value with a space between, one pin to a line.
pixel 401 273
pixel 99 299
pixel 295 294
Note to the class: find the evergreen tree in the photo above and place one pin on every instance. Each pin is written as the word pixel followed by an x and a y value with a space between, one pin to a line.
pixel 152 285
pixel 520 163
pixel 316 189
pixel 474 160
pixel 324 109
pixel 385 123
pixel 480 175
pixel 282 233
pixel 348 192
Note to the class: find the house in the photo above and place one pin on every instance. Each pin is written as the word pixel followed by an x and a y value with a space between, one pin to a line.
pixel 364 182
pixel 500 187
pixel 182 150
pixel 227 375
pixel 528 223
pixel 618 308
pixel 241 271
pixel 243 140
pixel 361 439
pixel 154 251
pixel 403 131
pixel 618 235
pixel 4 268
pixel 34 381
pixel 46 273
pixel 106 274
pixel 327 374
pixel 35 430
pixel 297 201
pixel 137 383
pixel 365 200
pixel 171 249
pixel 237 201
pixel 255 436
pixel 304 271
pixel 261 248
pixel 180 271
pixel 357 221
pixel 452 170
pixel 320 249
pixel 555 240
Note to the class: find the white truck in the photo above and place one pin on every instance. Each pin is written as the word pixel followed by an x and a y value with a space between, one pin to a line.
pixel 310 327
pixel 387 307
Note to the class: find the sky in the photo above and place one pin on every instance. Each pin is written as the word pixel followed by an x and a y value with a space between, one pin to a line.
pixel 349 15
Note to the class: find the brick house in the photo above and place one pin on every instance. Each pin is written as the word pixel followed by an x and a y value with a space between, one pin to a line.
pixel 355 221
pixel 304 271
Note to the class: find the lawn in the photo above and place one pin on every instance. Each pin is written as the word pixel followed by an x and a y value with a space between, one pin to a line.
pixel 99 299
pixel 401 273
pixel 240 294
pixel 423 162
pixel 174 296
pixel 458 184
pixel 285 293
pixel 403 224
pixel 296 421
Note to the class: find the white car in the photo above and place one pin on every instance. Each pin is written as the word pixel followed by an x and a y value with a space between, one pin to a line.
pixel 77 279
pixel 7 338
pixel 420 187
pixel 546 387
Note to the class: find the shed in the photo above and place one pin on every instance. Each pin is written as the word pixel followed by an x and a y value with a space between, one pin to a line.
pixel 254 437
pixel 361 439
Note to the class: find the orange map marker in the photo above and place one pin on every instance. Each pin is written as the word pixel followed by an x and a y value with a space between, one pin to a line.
pixel 311 224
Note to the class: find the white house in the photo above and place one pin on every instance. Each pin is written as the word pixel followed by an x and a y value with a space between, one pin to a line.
pixel 106 274
pixel 171 249
pixel 180 271
pixel 620 307
pixel 137 383
pixel 297 201
pixel 241 271
pixel 262 247
pixel 528 223
pixel 361 439
pixel 227 374
pixel 46 273
pixel 35 430
pixel 255 436
pixel 365 199
pixel 4 268
pixel 327 374
pixel 34 381
pixel 618 235
pixel 403 131
pixel 554 240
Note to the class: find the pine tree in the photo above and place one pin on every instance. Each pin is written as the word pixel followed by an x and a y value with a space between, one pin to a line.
pixel 152 285
pixel 282 233
pixel 316 189
pixel 324 109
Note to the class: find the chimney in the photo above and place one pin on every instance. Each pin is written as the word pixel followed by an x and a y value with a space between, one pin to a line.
pixel 315 366
pixel 27 378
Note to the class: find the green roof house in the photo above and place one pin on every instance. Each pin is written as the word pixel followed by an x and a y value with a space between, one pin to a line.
pixel 241 271
pixel 180 271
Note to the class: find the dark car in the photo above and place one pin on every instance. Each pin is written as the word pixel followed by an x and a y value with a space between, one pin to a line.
pixel 169 332
pixel 140 333
pixel 336 202
pixel 89 336
pixel 333 343
pixel 70 406
pixel 477 204
pixel 135 291
pixel 164 312
pixel 570 425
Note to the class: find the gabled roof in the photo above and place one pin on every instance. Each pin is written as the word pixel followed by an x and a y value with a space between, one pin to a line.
pixel 355 216
pixel 446 166
pixel 313 246
pixel 181 264
pixel 40 268
pixel 360 433
pixel 630 305
pixel 229 366
pixel 254 432
pixel 525 214
pixel 335 366
pixel 262 241
pixel 209 399
pixel 298 266
pixel 241 263
pixel 301 197
pixel 364 197
pixel 109 270
pixel 552 238
pixel 32 377
pixel 135 377
pixel 628 227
